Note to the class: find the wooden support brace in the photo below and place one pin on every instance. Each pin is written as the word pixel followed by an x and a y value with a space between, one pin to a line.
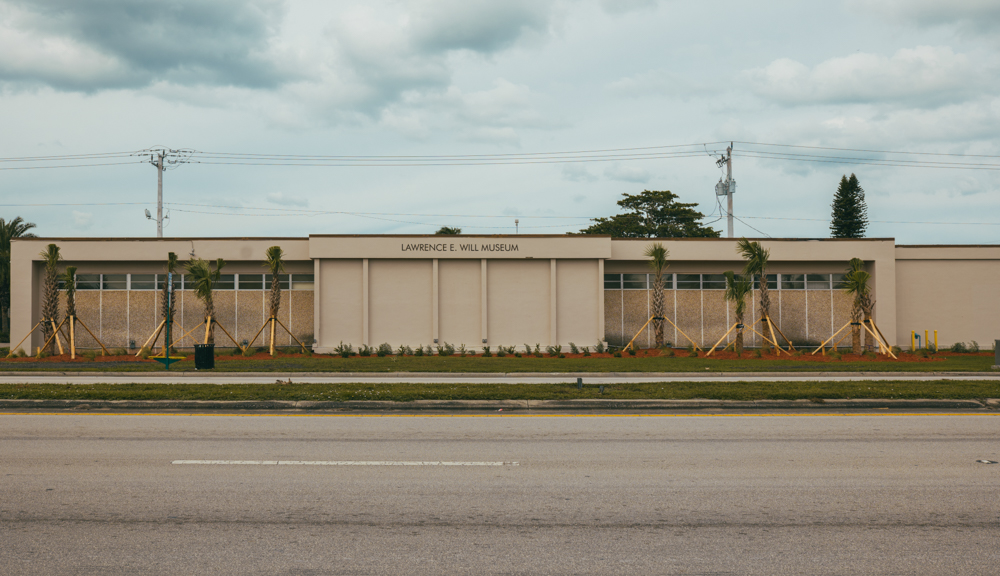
pixel 637 333
pixel 771 342
pixel 775 328
pixel 881 344
pixel 254 339
pixel 696 347
pixel 292 335
pixel 186 335
pixel 104 351
pixel 152 337
pixel 30 332
pixel 55 334
pixel 731 328
pixel 223 328
pixel 823 345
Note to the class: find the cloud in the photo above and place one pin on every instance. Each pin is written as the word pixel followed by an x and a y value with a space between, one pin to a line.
pixel 659 83
pixel 577 173
pixel 627 173
pixel 980 16
pixel 83 220
pixel 921 77
pixel 286 199
pixel 625 6
pixel 114 44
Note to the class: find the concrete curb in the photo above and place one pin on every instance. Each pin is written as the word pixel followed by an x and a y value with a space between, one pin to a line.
pixel 494 405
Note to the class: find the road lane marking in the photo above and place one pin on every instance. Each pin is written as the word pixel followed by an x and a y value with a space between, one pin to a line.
pixel 339 463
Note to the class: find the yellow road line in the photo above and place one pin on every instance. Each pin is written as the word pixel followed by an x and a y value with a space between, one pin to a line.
pixel 747 415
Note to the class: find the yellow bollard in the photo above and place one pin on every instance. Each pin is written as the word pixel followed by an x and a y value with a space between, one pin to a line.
pixel 913 340
pixel 935 341
pixel 927 341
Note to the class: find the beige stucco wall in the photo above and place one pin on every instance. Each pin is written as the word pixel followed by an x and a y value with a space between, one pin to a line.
pixel 460 301
pixel 951 289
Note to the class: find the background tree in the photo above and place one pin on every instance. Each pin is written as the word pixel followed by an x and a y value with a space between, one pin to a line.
pixel 657 255
pixel 737 289
pixel 203 281
pixel 756 265
pixel 449 230
pixel 50 293
pixel 16 228
pixel 275 264
pixel 653 214
pixel 850 213
pixel 69 280
pixel 856 283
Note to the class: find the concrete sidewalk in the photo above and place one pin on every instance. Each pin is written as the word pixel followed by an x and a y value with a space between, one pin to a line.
pixel 607 378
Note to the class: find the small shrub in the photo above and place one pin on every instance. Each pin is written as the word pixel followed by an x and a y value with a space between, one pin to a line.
pixel 599 347
pixel 974 347
pixel 501 352
pixel 486 351
pixel 692 353
pixel 517 354
pixel 462 350
pixel 344 350
pixel 573 349
pixel 959 348
pixel 868 354
pixel 586 350
pixel 445 349
pixel 553 350
pixel 757 353
pixel 119 352
pixel 797 353
pixel 835 355
pixel 90 355
pixel 562 355
pixel 144 353
pixel 384 349
pixel 617 354
pixel 20 353
pixel 897 350
pixel 248 351
pixel 667 352
pixel 428 351
pixel 690 349
pixel 404 350
pixel 510 350
pixel 527 348
pixel 237 351
pixel 631 350
pixel 419 350
pixel 365 350
pixel 923 353
pixel 538 350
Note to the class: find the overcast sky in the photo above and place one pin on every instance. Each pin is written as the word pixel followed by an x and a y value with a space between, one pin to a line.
pixel 461 77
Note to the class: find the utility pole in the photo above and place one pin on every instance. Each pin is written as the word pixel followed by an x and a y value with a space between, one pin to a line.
pixel 728 187
pixel 158 162
pixel 164 159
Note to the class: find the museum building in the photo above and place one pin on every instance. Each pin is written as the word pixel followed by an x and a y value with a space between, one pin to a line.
pixel 512 290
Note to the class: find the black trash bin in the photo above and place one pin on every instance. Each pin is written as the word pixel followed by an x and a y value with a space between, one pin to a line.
pixel 204 356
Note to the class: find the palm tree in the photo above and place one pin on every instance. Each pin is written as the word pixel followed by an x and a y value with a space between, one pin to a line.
pixel 275 265
pixel 203 280
pixel 756 258
pixel 657 255
pixel 50 293
pixel 16 228
pixel 737 288
pixel 856 283
pixel 166 313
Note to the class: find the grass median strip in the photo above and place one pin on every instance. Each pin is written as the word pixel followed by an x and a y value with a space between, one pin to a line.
pixel 817 391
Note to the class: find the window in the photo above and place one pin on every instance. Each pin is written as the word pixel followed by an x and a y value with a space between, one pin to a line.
pixel 635 281
pixel 252 282
pixel 838 281
pixel 88 281
pixel 668 281
pixel 226 282
pixel 689 281
pixel 303 282
pixel 612 281
pixel 817 281
pixel 282 281
pixel 713 281
pixel 114 281
pixel 793 282
pixel 772 282
pixel 142 281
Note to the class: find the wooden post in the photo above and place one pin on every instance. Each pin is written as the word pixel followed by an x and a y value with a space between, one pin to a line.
pixel 55 332
pixel 208 328
pixel 104 351
pixel 72 338
pixel 152 338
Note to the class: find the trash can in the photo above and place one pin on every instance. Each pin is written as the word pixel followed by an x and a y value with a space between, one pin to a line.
pixel 204 356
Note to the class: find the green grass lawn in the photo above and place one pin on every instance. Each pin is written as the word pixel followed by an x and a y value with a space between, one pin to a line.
pixel 939 389
pixel 948 363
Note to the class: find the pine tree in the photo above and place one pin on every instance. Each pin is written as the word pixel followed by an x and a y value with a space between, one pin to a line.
pixel 850 213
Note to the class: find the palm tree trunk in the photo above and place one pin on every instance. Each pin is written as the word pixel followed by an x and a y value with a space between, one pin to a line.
pixel 856 314
pixel 658 308
pixel 739 336
pixel 765 310
pixel 50 307
pixel 210 317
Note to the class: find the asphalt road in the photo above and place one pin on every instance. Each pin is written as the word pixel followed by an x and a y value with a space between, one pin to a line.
pixel 478 378
pixel 872 493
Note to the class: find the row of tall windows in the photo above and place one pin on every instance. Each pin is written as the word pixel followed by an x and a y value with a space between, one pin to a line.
pixel 718 281
pixel 183 282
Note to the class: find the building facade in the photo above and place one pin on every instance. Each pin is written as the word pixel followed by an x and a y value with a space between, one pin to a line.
pixel 508 290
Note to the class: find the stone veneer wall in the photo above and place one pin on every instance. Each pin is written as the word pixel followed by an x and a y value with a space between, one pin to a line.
pixel 704 315
pixel 119 317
